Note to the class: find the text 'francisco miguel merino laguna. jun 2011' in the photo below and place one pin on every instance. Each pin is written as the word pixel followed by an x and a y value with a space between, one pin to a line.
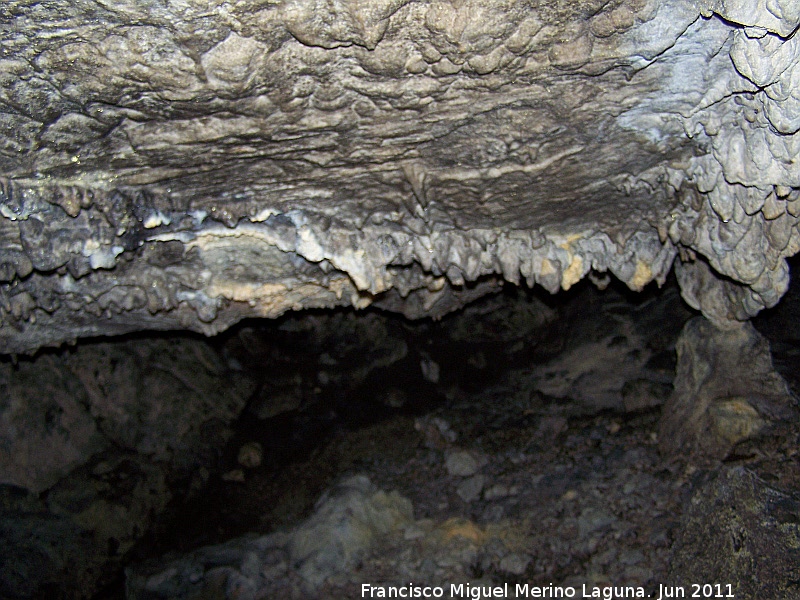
pixel 466 590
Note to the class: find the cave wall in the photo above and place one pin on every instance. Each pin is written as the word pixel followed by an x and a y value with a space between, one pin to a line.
pixel 184 165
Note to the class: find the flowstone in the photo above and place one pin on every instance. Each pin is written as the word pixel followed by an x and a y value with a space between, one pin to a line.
pixel 170 166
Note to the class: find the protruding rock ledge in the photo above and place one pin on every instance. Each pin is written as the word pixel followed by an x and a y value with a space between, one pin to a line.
pixel 190 172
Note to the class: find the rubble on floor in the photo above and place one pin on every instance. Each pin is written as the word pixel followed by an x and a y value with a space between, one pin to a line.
pixel 535 457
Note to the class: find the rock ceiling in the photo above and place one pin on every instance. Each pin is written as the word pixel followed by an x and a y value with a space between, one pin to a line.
pixel 184 164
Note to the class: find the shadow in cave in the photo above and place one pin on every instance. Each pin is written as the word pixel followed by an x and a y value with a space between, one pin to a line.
pixel 421 367
pixel 781 326
pixel 556 398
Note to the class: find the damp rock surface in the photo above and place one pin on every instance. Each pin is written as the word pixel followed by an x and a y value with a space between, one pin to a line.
pixel 177 166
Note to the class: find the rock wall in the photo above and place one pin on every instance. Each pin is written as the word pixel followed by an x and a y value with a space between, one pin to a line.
pixel 184 165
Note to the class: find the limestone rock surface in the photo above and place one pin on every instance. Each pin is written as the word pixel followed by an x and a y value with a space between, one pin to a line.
pixel 120 396
pixel 741 530
pixel 184 165
pixel 726 391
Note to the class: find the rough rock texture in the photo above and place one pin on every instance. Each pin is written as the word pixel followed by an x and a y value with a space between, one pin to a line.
pixel 532 457
pixel 507 483
pixel 70 541
pixel 94 443
pixel 742 531
pixel 726 391
pixel 168 400
pixel 510 485
pixel 184 165
pixel 347 520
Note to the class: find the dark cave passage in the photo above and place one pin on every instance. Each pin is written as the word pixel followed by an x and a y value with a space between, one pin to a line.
pixel 523 430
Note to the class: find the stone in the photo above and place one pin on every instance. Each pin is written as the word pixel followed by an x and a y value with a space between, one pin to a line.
pixel 430 370
pixel 470 489
pixel 234 476
pixel 45 427
pixel 187 173
pixel 105 394
pixel 631 557
pixel 742 531
pixel 436 432
pixel 346 521
pixel 515 563
pixel 270 403
pixel 726 390
pixel 394 398
pixel 594 520
pixel 591 373
pixel 498 491
pixel 170 166
pixel 250 455
pixel 734 420
pixel 79 538
pixel 461 463
pixel 643 394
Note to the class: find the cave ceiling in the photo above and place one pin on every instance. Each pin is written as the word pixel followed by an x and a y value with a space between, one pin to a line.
pixel 184 165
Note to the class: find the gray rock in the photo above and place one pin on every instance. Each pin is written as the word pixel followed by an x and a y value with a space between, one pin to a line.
pixel 250 455
pixel 515 563
pixel 594 520
pixel 643 394
pixel 634 556
pixel 46 429
pixel 78 540
pixel 346 521
pixel 470 489
pixel 726 391
pixel 121 394
pixel 461 463
pixel 388 155
pixel 741 531
pixel 493 513
pixel 500 491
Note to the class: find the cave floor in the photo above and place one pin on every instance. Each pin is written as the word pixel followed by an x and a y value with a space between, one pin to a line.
pixel 543 472
pixel 518 441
